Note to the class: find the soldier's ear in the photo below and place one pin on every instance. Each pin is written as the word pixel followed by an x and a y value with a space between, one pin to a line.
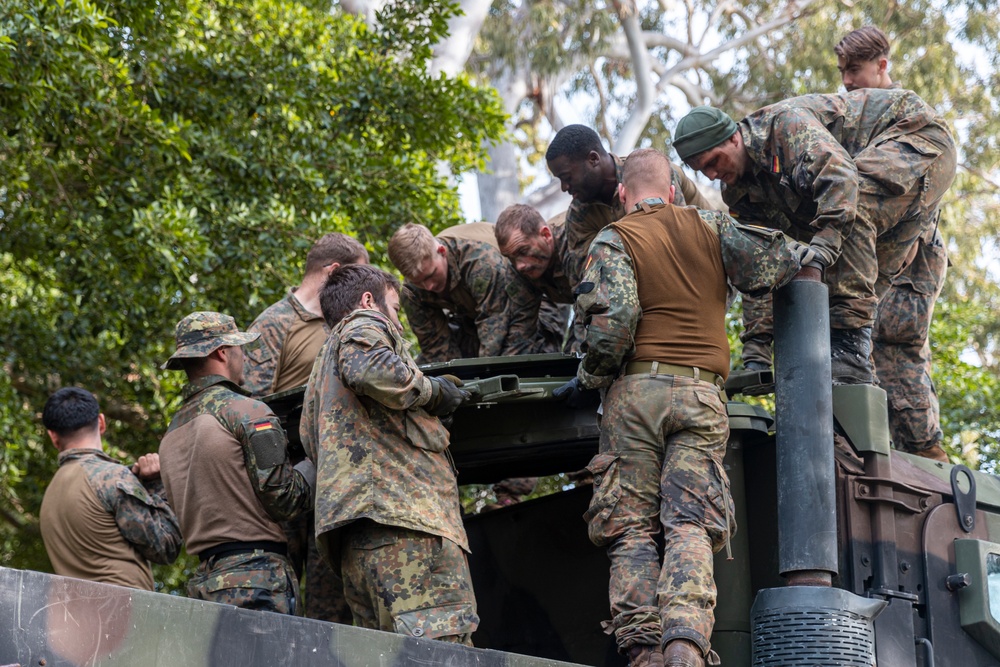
pixel 102 424
pixel 673 193
pixel 54 437
pixel 621 192
pixel 883 65
pixel 368 301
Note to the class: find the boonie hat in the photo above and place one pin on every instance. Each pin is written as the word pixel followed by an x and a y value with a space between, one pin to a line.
pixel 202 333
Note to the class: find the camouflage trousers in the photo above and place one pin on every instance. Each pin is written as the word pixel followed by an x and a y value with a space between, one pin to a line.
pixel 901 183
pixel 408 582
pixel 259 580
pixel 659 470
pixel 901 351
pixel 323 588
pixel 901 348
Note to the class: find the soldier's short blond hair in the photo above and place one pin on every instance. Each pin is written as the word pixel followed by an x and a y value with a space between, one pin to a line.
pixel 411 246
pixel 517 218
pixel 335 248
pixel 647 169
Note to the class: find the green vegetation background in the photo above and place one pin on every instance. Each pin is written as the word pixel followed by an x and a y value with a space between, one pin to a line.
pixel 164 156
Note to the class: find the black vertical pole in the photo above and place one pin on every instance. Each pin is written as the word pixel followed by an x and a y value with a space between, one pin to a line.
pixel 807 518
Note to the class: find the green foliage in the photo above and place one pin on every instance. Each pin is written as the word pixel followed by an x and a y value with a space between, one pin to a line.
pixel 164 156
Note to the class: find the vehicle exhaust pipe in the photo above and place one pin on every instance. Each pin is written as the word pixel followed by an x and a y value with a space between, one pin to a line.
pixel 807 622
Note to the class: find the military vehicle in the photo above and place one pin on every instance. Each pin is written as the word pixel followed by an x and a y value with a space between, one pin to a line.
pixel 847 552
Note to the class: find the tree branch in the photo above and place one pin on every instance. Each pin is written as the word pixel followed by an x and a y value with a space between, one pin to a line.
pixel 979 173
pixel 642 71
pixel 791 13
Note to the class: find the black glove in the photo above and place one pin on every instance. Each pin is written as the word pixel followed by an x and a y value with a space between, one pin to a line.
pixel 576 396
pixel 445 397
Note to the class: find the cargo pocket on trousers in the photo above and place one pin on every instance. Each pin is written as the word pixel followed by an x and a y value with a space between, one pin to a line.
pixel 912 401
pixel 432 622
pixel 912 419
pixel 904 315
pixel 721 525
pixel 601 526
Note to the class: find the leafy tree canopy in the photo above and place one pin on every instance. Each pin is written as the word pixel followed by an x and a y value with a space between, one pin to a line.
pixel 163 156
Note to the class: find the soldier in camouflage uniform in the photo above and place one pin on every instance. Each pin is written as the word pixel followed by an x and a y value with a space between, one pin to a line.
pixel 387 508
pixel 458 293
pixel 859 176
pixel 654 297
pixel 901 347
pixel 100 520
pixel 591 175
pixel 292 331
pixel 539 252
pixel 226 472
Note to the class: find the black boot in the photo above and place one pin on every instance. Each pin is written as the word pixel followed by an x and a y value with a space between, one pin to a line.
pixel 850 356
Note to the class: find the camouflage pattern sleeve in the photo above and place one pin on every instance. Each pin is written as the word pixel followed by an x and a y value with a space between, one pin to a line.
pixel 686 192
pixel 262 355
pixel 430 325
pixel 818 167
pixel 757 260
pixel 609 300
pixel 141 512
pixel 487 276
pixel 307 421
pixel 283 491
pixel 525 301
pixel 369 366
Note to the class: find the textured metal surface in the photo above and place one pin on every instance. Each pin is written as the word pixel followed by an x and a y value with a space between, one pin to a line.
pixel 60 622
pixel 819 627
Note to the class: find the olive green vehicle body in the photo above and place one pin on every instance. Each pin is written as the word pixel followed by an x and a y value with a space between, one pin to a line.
pixel 908 534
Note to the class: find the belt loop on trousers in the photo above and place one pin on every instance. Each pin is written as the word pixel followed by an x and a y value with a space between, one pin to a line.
pixel 697 373
pixel 653 367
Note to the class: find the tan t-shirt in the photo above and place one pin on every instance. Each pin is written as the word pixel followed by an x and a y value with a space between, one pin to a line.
pixel 304 340
pixel 682 290
pixel 81 536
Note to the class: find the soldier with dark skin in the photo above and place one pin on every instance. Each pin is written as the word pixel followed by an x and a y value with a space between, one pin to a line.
pixel 590 174
pixel 100 520
pixel 654 296
pixel 292 331
pixel 458 293
pixel 226 472
pixel 859 176
pixel 387 504
pixel 901 347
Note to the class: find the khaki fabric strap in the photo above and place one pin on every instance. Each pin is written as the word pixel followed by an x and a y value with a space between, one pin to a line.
pixel 654 368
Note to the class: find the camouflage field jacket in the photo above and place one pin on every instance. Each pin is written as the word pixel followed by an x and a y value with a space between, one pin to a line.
pixel 378 454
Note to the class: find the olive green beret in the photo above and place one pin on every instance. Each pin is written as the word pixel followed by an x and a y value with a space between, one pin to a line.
pixel 703 128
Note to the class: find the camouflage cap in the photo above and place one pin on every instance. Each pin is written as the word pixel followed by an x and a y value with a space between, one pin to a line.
pixel 202 333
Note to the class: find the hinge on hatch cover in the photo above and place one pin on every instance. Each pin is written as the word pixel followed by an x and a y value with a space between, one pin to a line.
pixel 965 501
pixel 868 489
